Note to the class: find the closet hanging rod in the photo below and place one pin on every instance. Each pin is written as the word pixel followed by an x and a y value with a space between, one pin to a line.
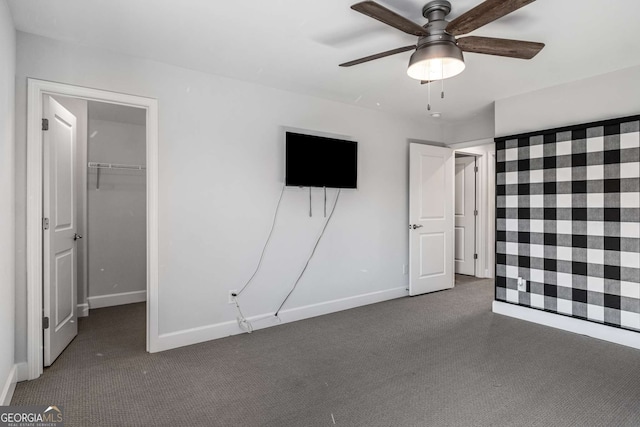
pixel 96 165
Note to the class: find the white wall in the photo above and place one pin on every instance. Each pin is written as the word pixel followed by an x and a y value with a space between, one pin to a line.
pixel 7 194
pixel 472 129
pixel 597 98
pixel 221 171
pixel 116 213
pixel 78 107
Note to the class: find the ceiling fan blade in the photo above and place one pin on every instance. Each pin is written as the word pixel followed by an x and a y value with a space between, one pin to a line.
pixel 485 12
pixel 378 56
pixel 382 14
pixel 500 47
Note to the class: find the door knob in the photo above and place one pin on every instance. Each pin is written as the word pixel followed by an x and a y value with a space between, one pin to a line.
pixel 414 226
pixel 76 236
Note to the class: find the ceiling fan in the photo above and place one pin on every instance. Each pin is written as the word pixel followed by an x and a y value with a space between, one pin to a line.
pixel 438 53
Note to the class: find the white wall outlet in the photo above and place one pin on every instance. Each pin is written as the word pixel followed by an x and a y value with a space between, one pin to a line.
pixel 232 299
pixel 522 284
pixel 405 269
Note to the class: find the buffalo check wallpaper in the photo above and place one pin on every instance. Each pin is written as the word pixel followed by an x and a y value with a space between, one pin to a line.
pixel 568 221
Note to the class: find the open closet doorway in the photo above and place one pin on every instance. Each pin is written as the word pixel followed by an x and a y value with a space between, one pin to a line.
pixel 94 253
pixel 466 213
pixel 92 217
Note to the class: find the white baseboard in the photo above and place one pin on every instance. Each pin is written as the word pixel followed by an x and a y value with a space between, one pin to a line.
pixel 9 386
pixel 117 299
pixel 225 329
pixel 570 324
pixel 83 309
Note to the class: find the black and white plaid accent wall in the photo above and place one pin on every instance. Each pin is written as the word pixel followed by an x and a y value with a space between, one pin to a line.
pixel 568 221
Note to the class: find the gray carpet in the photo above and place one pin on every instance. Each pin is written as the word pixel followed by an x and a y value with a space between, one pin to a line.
pixel 462 278
pixel 436 360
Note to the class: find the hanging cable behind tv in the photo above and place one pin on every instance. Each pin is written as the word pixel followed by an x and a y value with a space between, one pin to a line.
pixel 266 244
pixel 326 223
pixel 243 322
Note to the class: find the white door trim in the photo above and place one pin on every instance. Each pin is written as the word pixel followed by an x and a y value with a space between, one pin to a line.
pixel 35 91
pixel 476 223
pixel 485 203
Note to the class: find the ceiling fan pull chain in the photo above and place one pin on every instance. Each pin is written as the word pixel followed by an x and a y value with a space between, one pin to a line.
pixel 429 96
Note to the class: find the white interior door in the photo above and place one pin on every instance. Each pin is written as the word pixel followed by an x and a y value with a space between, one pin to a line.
pixel 465 217
pixel 59 254
pixel 431 193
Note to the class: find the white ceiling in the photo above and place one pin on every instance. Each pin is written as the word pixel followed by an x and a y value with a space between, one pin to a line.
pixel 297 45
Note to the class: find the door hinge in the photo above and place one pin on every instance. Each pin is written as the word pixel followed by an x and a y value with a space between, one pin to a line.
pixel 475 169
pixel 475 213
pixel 45 124
pixel 45 223
pixel 475 256
pixel 45 323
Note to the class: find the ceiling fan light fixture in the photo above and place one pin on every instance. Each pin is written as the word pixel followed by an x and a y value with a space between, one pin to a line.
pixel 436 61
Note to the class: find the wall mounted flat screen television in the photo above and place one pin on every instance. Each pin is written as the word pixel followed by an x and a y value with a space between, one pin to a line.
pixel 316 161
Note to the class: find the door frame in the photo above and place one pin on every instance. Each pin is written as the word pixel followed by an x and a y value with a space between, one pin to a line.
pixel 476 220
pixel 35 91
pixel 485 203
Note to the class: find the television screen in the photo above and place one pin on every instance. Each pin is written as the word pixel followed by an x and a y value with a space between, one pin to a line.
pixel 315 161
